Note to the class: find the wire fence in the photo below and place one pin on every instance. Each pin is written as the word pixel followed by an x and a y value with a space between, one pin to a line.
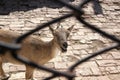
pixel 77 12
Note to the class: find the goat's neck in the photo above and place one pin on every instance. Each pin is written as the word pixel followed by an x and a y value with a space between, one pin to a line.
pixel 54 47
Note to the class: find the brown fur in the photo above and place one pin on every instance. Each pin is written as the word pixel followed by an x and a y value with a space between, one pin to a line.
pixel 34 49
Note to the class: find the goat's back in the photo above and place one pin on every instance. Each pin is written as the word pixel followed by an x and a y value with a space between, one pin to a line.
pixel 33 48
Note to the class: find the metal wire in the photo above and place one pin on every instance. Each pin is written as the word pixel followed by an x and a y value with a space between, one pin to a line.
pixel 77 12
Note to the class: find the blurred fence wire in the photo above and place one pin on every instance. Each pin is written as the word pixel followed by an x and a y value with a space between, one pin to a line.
pixel 77 12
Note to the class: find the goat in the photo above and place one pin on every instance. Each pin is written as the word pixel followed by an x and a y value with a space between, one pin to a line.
pixel 35 49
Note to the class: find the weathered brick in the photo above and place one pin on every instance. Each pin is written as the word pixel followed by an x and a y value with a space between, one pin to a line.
pixel 96 78
pixel 105 63
pixel 116 55
pixel 60 65
pixel 114 77
pixel 92 66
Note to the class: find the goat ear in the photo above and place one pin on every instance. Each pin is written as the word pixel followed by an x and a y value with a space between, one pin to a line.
pixel 51 29
pixel 70 28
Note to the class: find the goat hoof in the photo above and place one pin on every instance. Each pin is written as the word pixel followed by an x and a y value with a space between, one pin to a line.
pixel 5 77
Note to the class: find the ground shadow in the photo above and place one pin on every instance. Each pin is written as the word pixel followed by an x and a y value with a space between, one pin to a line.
pixel 7 6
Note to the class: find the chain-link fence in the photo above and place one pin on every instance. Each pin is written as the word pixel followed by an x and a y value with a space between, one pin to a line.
pixel 77 12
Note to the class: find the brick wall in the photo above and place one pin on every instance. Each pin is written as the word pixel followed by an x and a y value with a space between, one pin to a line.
pixel 25 16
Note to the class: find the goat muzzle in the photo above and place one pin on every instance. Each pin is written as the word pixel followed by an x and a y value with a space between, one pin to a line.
pixel 64 47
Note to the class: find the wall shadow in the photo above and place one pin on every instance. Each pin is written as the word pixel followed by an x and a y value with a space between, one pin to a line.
pixel 7 6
